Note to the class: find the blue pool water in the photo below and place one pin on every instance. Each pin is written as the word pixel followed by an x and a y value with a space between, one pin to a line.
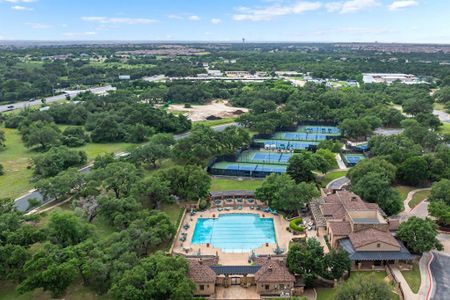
pixel 234 232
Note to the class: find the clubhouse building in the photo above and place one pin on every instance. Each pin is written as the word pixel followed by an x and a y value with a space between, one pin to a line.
pixel 360 229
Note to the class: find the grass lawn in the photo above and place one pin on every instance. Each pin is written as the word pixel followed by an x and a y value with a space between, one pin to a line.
pixel 225 184
pixel 216 122
pixel 439 106
pixel 329 293
pixel 445 128
pixel 413 278
pixel 331 176
pixel 404 190
pixel 418 197
pixel 16 157
pixel 174 211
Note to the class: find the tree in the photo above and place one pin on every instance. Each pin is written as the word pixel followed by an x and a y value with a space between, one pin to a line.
pixel 374 165
pixel 156 277
pixel 2 139
pixel 41 134
pixel 337 263
pixel 119 177
pixel 329 156
pixel 419 235
pixel 441 211
pixel 153 191
pixel 156 149
pixel 307 260
pixel 188 182
pixel 440 191
pixel 119 212
pixel 375 187
pixel 413 171
pixel 57 159
pixel 1 170
pixel 65 228
pixel 395 149
pixel 356 128
pixel 75 137
pixel 50 269
pixel 62 185
pixel 300 166
pixel 359 287
pixel 281 192
pixel 107 129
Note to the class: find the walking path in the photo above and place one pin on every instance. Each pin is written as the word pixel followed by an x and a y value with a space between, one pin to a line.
pixel 420 210
pixel 340 162
pixel 407 292
pixel 338 183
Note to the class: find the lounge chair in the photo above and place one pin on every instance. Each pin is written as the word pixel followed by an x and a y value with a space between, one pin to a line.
pixel 240 207
pixel 219 209
pixel 252 207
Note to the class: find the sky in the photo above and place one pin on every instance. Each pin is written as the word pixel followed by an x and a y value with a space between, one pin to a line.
pixel 410 21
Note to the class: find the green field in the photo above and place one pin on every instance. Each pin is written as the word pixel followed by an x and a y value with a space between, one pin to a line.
pixel 445 128
pixel 225 184
pixel 16 159
pixel 418 197
pixel 216 122
pixel 413 278
pixel 329 293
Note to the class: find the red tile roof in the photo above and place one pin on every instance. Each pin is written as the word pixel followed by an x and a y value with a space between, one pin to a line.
pixel 369 236
pixel 273 270
pixel 340 228
pixel 200 272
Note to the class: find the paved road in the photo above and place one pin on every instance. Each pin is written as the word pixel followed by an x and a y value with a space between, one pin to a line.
pixel 440 270
pixel 18 105
pixel 337 184
pixel 22 204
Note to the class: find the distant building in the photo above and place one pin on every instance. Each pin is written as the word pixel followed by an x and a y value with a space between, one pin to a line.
pixel 124 77
pixel 389 78
pixel 215 73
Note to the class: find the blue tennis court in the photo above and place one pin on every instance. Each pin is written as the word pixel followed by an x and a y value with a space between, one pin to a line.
pixel 285 145
pixel 352 159
pixel 329 130
pixel 271 169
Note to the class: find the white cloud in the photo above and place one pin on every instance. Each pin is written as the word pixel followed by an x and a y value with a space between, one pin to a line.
pixel 351 6
pixel 19 7
pixel 216 21
pixel 175 17
pixel 268 13
pixel 37 25
pixel 194 18
pixel 400 4
pixel 80 34
pixel 128 21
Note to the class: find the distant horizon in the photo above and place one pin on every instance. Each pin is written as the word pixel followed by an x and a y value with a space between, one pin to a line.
pixel 324 21
pixel 5 41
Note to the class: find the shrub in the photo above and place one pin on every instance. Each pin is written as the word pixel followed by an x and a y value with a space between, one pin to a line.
pixel 203 204
pixel 294 225
pixel 187 105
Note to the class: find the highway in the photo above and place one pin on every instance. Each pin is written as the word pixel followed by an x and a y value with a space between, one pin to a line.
pixel 19 105
pixel 22 204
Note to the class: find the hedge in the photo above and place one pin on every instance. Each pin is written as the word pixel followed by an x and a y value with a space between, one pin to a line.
pixel 294 225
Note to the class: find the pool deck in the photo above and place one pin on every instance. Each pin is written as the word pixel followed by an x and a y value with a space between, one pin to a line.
pixel 283 237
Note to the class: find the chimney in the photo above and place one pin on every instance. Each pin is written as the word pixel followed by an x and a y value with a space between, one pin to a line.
pixel 270 268
pixel 200 261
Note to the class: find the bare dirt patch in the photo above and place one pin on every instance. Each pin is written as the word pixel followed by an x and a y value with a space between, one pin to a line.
pixel 218 108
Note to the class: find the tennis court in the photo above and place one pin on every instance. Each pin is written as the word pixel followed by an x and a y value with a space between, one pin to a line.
pixel 352 159
pixel 299 136
pixel 246 169
pixel 284 145
pixel 266 157
pixel 328 130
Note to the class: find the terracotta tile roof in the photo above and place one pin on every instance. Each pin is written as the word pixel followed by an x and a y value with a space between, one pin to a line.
pixel 393 224
pixel 274 270
pixel 370 236
pixel 340 228
pixel 199 270
pixel 333 210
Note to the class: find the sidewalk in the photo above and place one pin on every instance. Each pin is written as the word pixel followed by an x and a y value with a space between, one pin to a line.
pixel 340 162
pixel 408 293
pixel 425 279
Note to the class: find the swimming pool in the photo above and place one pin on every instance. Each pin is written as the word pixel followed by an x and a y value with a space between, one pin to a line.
pixel 234 232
